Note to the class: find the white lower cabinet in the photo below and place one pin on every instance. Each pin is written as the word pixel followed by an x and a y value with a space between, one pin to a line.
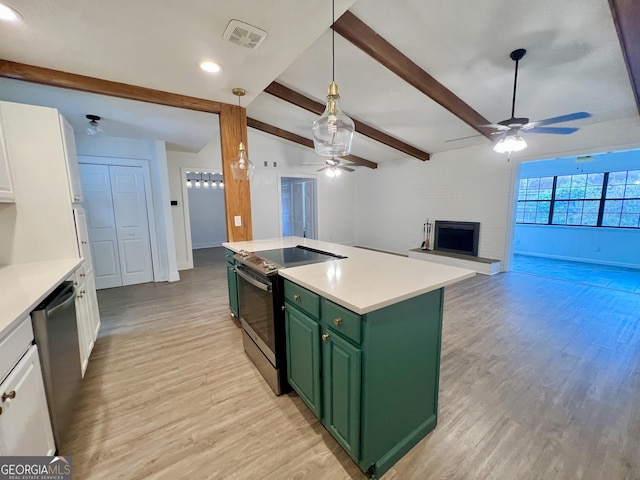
pixel 25 428
pixel 87 314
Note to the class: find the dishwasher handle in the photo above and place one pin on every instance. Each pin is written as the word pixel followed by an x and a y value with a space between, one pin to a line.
pixel 64 298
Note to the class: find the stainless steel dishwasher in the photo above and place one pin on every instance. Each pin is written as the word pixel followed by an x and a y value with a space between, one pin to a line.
pixel 55 330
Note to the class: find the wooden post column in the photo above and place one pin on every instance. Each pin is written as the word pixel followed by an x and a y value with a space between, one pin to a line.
pixel 237 193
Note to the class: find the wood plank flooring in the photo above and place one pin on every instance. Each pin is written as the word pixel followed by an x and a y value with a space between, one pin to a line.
pixel 540 379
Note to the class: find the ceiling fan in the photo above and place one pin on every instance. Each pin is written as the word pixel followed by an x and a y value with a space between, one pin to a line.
pixel 510 129
pixel 332 167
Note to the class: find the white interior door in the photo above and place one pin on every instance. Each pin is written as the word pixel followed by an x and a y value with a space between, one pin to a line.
pixel 132 225
pixel 101 224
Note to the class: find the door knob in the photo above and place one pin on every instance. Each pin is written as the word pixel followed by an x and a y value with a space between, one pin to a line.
pixel 325 337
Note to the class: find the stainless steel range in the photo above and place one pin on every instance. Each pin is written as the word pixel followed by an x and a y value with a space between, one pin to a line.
pixel 261 302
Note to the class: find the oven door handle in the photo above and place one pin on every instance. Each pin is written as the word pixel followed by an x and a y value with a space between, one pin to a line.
pixel 253 281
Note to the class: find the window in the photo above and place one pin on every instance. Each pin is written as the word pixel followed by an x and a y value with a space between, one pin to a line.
pixel 622 200
pixel 534 200
pixel 610 199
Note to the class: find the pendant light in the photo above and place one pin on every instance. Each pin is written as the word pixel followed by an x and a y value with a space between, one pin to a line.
pixel 242 168
pixel 333 131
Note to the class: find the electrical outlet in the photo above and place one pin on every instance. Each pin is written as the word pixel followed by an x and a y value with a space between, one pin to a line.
pixel 238 220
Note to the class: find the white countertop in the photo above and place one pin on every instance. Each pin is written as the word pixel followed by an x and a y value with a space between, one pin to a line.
pixel 23 286
pixel 366 280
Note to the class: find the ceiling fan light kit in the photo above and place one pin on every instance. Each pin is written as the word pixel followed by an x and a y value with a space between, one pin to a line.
pixel 509 129
pixel 333 131
pixel 242 168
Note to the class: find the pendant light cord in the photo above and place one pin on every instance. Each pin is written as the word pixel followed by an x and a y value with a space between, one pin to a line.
pixel 333 41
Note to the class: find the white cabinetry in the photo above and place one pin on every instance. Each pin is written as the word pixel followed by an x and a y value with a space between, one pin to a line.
pixel 86 313
pixel 25 427
pixel 73 172
pixel 86 300
pixel 6 184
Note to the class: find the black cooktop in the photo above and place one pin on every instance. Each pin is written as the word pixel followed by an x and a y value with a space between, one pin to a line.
pixel 296 256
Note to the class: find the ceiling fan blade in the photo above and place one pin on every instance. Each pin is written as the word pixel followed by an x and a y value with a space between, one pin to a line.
pixel 346 169
pixel 323 168
pixel 497 126
pixel 464 138
pixel 555 130
pixel 560 119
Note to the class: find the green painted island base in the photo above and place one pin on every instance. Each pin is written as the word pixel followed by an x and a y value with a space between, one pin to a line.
pixel 371 379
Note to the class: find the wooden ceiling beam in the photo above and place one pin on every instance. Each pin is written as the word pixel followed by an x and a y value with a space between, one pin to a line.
pixel 626 17
pixel 295 98
pixel 366 39
pixel 300 140
pixel 56 78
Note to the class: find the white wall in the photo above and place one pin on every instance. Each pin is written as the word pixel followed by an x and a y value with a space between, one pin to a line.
pixel 153 153
pixel 611 246
pixel 209 159
pixel 336 222
pixel 207 217
pixel 608 246
pixel 336 199
pixel 472 184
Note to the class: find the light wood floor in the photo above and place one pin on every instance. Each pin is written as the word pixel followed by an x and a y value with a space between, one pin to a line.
pixel 540 379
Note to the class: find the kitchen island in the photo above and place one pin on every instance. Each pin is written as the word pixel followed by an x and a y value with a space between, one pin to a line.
pixel 363 338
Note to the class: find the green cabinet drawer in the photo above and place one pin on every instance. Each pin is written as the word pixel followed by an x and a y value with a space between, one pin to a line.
pixel 302 298
pixel 341 320
pixel 229 255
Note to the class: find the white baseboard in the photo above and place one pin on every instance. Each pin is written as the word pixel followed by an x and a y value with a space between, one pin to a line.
pixel 185 266
pixel 174 276
pixel 577 259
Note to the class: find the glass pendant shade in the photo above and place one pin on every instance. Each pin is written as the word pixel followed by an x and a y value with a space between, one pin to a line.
pixel 510 143
pixel 94 128
pixel 333 131
pixel 242 168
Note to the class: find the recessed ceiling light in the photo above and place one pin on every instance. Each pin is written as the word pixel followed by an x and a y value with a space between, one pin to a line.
pixel 211 67
pixel 9 14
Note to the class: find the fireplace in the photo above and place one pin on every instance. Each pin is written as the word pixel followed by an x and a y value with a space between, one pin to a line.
pixel 457 237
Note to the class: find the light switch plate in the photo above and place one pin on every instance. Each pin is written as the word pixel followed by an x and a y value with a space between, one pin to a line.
pixel 238 220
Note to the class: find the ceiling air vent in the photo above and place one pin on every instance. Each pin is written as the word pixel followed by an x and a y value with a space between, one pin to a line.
pixel 244 34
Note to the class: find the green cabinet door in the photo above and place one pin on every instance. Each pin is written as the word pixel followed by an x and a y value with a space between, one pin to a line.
pixel 232 280
pixel 341 363
pixel 303 357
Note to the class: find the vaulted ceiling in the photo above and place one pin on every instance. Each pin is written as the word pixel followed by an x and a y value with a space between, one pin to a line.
pixel 415 74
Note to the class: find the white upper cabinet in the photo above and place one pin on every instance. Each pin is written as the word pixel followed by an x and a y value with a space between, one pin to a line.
pixel 69 144
pixel 6 185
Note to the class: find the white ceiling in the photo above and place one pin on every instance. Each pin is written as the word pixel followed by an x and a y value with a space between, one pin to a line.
pixel 574 63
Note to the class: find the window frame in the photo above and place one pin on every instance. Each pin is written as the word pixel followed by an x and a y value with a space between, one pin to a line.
pixel 554 201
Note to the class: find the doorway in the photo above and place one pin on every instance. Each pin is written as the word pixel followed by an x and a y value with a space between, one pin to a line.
pixel 299 207
pixel 118 224
pixel 207 219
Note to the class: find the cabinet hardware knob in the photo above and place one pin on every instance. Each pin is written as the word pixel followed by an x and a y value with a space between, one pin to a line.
pixel 75 284
pixel 325 337
pixel 337 321
pixel 296 298
pixel 84 242
pixel 284 307
pixel 9 396
pixel 83 274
